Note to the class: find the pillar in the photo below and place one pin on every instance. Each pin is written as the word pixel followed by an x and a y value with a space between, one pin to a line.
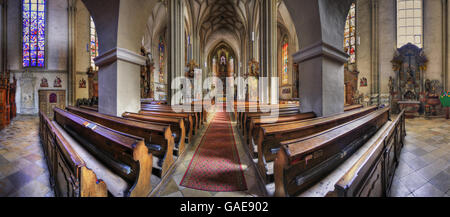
pixel 175 62
pixel 268 58
pixel 71 62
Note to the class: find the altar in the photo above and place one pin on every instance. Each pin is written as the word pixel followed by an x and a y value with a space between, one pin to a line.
pixel 411 108
pixel 407 88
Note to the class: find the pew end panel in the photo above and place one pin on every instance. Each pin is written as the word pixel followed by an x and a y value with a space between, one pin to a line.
pixel 142 187
pixel 371 175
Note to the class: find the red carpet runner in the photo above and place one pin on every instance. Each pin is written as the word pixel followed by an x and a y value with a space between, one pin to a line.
pixel 216 165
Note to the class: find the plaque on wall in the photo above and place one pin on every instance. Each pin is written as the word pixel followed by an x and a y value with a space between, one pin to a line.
pixel 49 99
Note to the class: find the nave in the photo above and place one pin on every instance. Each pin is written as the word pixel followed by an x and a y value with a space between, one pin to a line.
pixel 423 171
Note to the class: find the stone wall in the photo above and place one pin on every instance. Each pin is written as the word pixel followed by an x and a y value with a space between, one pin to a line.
pixel 28 80
pixel 387 43
pixel 82 49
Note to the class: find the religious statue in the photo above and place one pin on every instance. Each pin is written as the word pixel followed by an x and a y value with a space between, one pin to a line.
pixel 191 69
pixel 44 82
pixel 57 82
pixel 223 63
pixel 391 85
pixel 253 68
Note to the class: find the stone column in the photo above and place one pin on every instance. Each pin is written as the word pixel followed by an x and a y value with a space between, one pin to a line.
pixel 268 45
pixel 71 62
pixel 444 44
pixel 374 69
pixel 321 79
pixel 175 61
pixel 4 23
pixel 118 79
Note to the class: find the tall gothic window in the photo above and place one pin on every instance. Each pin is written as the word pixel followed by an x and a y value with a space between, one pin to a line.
pixel 161 48
pixel 409 22
pixel 33 33
pixel 350 34
pixel 93 48
pixel 284 61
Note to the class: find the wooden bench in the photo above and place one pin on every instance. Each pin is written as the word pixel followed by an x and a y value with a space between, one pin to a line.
pixel 256 122
pixel 158 137
pixel 241 115
pixel 186 117
pixel 69 175
pixel 90 108
pixel 177 126
pixel 303 162
pixel 271 136
pixel 121 160
pixel 194 115
pixel 372 174
pixel 248 116
pixel 200 115
pixel 352 107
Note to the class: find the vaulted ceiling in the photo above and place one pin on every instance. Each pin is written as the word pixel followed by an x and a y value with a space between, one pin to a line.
pixel 210 16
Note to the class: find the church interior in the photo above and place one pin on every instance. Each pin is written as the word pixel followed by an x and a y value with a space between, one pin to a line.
pixel 224 98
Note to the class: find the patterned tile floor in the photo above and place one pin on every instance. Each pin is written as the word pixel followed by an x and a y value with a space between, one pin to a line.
pixel 23 170
pixel 424 168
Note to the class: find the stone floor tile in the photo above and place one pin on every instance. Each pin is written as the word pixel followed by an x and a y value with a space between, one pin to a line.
pixel 428 190
pixel 413 181
pixel 441 181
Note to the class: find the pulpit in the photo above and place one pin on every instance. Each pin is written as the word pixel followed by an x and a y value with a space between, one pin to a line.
pixel 407 89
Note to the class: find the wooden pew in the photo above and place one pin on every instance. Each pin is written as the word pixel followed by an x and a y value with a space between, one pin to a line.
pixel 121 160
pixel 69 174
pixel 352 107
pixel 247 116
pixel 158 137
pixel 186 117
pixel 194 115
pixel 301 163
pixel 372 174
pixel 256 122
pixel 90 108
pixel 271 136
pixel 241 115
pixel 177 126
pixel 200 115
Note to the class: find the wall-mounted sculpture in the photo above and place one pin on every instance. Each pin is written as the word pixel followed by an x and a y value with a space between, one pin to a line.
pixel 44 82
pixel 57 82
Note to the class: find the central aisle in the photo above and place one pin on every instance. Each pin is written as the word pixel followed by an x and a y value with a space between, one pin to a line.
pixel 216 165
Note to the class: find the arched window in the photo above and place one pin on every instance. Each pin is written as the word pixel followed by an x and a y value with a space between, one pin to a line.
pixel 409 22
pixel 33 33
pixel 161 48
pixel 284 62
pixel 350 35
pixel 93 48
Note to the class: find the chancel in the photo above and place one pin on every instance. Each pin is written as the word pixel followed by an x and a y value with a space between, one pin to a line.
pixel 224 98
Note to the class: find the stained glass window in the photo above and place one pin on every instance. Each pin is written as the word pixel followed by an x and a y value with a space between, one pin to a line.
pixel 93 47
pixel 33 42
pixel 284 60
pixel 409 22
pixel 161 48
pixel 350 34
